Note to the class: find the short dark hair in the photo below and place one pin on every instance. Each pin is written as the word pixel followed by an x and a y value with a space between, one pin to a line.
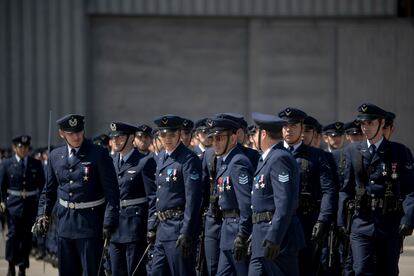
pixel 274 135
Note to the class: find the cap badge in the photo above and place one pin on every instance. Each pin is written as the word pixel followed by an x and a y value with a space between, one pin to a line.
pixel 210 123
pixel 164 121
pixel 113 127
pixel 288 112
pixel 24 139
pixel 364 108
pixel 73 122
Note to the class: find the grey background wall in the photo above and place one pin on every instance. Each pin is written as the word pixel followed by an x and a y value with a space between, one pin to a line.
pixel 134 60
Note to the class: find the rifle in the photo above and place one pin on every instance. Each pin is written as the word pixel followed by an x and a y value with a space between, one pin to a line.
pixel 346 241
pixel 104 252
pixel 142 258
pixel 201 250
pixel 331 244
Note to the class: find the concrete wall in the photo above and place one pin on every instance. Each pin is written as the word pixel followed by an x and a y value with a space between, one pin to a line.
pixel 128 59
pixel 144 67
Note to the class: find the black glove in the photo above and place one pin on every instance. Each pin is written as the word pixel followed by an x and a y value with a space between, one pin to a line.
pixel 271 250
pixel 184 244
pixel 151 236
pixel 405 230
pixel 240 247
pixel 319 231
pixel 342 232
pixel 107 232
pixel 41 226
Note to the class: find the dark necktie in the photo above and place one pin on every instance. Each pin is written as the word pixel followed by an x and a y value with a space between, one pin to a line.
pixel 72 157
pixel 291 148
pixel 166 155
pixel 121 163
pixel 372 150
pixel 22 166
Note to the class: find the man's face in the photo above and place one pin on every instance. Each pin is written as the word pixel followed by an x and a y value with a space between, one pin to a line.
pixel 255 139
pixel 308 136
pixel 186 136
pixel 241 136
pixel 142 142
pixel 21 150
pixel 335 142
pixel 74 139
pixel 119 142
pixel 352 138
pixel 170 139
pixel 203 138
pixel 370 128
pixel 223 142
pixel 292 132
pixel 388 131
pixel 253 144
pixel 316 142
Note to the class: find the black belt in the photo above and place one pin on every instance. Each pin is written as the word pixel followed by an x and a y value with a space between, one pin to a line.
pixel 259 217
pixel 170 213
pixel 233 213
pixel 386 205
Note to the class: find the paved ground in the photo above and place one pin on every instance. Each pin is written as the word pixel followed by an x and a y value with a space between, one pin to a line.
pixel 37 268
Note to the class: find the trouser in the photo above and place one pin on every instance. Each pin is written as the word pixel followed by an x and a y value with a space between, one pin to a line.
pixel 228 266
pixel 284 265
pixel 125 257
pixel 374 255
pixel 79 256
pixel 167 259
pixel 19 240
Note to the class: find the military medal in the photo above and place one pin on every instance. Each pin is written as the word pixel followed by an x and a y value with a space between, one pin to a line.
pixel 228 187
pixel 394 174
pixel 86 173
pixel 384 171
pixel 262 184
pixel 174 175
pixel 169 171
pixel 220 185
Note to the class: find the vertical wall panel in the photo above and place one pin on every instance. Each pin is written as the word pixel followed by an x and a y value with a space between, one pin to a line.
pixel 80 58
pixel 16 74
pixel 65 48
pixel 41 69
pixel 4 74
pixel 42 53
pixel 28 102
